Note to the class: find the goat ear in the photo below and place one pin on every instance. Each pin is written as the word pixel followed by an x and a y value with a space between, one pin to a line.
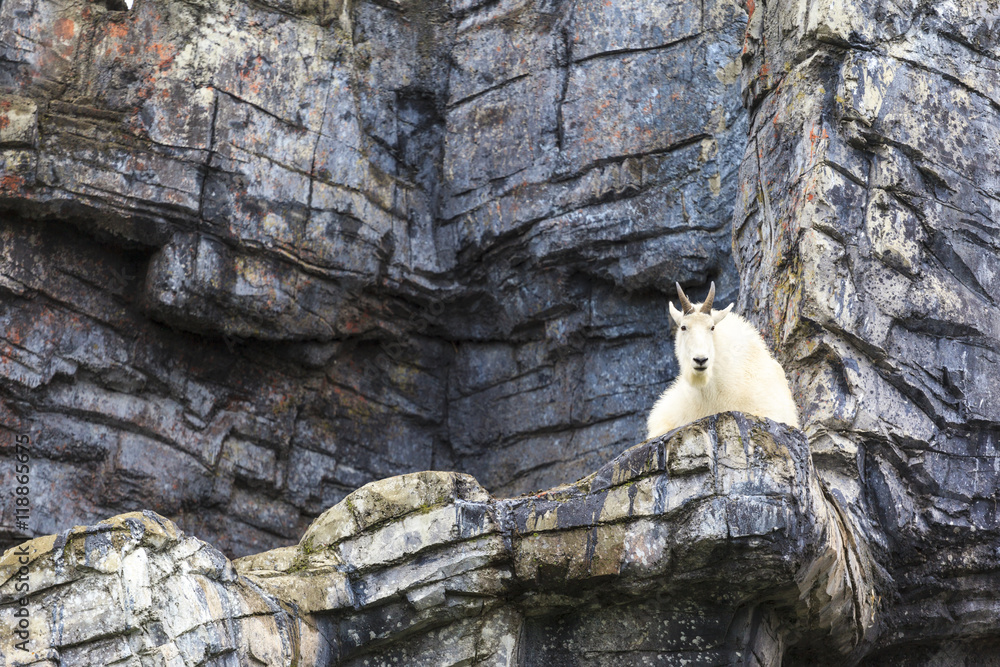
pixel 675 314
pixel 719 315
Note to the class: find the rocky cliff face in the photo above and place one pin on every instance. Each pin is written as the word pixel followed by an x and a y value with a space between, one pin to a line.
pixel 660 555
pixel 279 250
pixel 866 234
pixel 259 254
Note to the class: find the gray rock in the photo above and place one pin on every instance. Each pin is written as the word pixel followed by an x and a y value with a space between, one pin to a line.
pixel 429 569
pixel 279 243
pixel 873 171
pixel 258 255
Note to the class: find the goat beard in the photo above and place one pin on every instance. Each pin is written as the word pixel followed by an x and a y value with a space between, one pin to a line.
pixel 699 378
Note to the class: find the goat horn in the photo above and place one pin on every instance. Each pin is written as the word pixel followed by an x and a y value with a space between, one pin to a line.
pixel 685 303
pixel 707 306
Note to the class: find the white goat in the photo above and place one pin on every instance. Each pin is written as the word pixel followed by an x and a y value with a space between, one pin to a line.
pixel 725 365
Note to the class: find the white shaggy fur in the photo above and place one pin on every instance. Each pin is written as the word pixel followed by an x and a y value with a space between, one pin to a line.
pixel 725 365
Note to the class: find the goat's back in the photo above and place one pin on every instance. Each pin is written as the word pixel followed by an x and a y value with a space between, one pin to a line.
pixel 750 379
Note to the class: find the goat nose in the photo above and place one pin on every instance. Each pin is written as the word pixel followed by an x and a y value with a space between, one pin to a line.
pixel 701 361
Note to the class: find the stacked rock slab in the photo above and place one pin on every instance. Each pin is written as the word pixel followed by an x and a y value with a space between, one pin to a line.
pixel 131 589
pixel 712 545
pixel 283 248
pixel 866 233
pixel 257 255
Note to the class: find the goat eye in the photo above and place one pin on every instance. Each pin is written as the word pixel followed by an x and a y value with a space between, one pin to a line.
pixel 684 328
pixel 713 328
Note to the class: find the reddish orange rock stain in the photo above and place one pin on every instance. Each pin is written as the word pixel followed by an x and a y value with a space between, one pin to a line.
pixel 65 29
pixel 4 122
pixel 165 52
pixel 11 183
pixel 814 138
pixel 117 30
pixel 14 336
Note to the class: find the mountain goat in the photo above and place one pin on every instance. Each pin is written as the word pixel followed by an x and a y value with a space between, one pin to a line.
pixel 725 365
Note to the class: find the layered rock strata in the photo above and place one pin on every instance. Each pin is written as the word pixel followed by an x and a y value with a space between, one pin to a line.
pixel 276 250
pixel 867 237
pixel 713 545
pixel 259 254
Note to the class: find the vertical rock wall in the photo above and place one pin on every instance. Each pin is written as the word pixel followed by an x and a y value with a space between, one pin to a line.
pixel 258 254
pixel 866 233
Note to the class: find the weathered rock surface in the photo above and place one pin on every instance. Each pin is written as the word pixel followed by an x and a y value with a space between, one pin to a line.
pixel 134 590
pixel 428 569
pixel 256 255
pixel 277 250
pixel 867 237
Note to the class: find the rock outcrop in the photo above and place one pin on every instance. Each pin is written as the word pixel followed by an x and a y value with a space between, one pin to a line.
pixel 277 250
pixel 427 569
pixel 258 255
pixel 866 233
pixel 131 590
